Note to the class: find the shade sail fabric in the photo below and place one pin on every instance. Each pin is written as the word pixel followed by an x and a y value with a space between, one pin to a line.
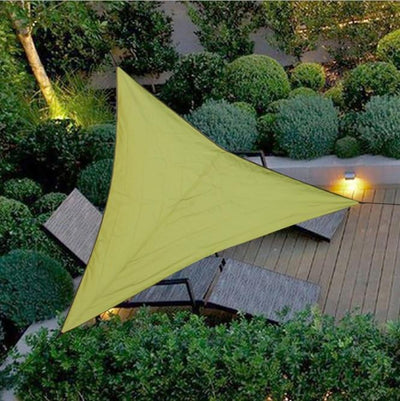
pixel 175 198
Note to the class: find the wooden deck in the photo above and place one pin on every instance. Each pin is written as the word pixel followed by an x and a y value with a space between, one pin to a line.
pixel 359 268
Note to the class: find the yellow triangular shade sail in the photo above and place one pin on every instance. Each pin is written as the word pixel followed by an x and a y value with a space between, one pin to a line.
pixel 175 198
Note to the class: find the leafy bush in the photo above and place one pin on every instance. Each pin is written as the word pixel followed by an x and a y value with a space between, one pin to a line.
pixel 180 357
pixel 48 203
pixel 347 147
pixel 275 106
pixel 348 124
pixel 307 127
pixel 225 27
pixel 379 126
pixel 195 78
pixel 144 32
pixel 246 107
pixel 256 79
pixel 370 79
pixel 336 95
pixel 24 190
pixel 94 181
pixel 266 131
pixel 100 141
pixel 52 154
pixel 34 287
pixel 389 48
pixel 302 91
pixel 309 75
pixel 225 124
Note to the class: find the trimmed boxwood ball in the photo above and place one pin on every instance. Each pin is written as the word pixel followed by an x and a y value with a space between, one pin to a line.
pixel 275 106
pixel 196 77
pixel 34 287
pixel 348 124
pixel 227 125
pixel 302 91
pixel 100 141
pixel 389 48
pixel 266 130
pixel 246 107
pixel 379 126
pixel 94 181
pixel 347 147
pixel 307 127
pixel 309 75
pixel 336 95
pixel 24 190
pixel 256 79
pixel 370 79
pixel 48 203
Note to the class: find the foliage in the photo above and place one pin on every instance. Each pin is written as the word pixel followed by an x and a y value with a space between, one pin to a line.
pixel 144 32
pixel 12 214
pixel 227 125
pixel 309 75
pixel 69 36
pixel 307 127
pixel 48 203
pixel 24 190
pixel 100 141
pixel 246 107
pixel 379 126
pixel 389 48
pixel 348 124
pixel 34 287
pixel 302 91
pixel 336 95
pixel 347 147
pixel 225 26
pixel 256 79
pixel 180 357
pixel 370 79
pixel 195 78
pixel 266 131
pixel 94 181
pixel 52 154
pixel 276 105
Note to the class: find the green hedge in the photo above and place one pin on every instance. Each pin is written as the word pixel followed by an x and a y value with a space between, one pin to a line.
pixel 347 147
pixel 34 287
pixel 181 358
pixel 389 48
pixel 309 75
pixel 336 95
pixel 307 127
pixel 256 79
pixel 227 125
pixel 370 79
pixel 24 190
pixel 379 126
pixel 246 107
pixel 100 141
pixel 266 131
pixel 196 77
pixel 48 203
pixel 302 91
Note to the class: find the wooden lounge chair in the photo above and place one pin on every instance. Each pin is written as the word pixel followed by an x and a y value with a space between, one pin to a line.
pixel 212 282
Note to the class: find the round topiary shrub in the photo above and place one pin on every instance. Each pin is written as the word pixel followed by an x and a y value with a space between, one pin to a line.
pixel 100 141
pixel 302 91
pixel 336 95
pixel 348 124
pixel 389 48
pixel 225 124
pixel 307 127
pixel 266 131
pixel 94 181
pixel 347 147
pixel 256 79
pixel 34 287
pixel 24 190
pixel 48 203
pixel 196 77
pixel 246 107
pixel 379 126
pixel 275 106
pixel 309 75
pixel 370 79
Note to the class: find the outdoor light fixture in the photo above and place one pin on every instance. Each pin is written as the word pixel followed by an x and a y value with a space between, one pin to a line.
pixel 349 175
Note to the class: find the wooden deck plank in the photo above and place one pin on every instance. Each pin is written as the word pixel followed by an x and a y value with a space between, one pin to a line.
pixel 276 249
pixel 252 250
pixel 289 246
pixel 264 250
pixel 297 255
pixel 306 260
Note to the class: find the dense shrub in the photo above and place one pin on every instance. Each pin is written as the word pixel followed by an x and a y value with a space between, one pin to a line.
pixel 52 154
pixel 348 124
pixel 100 141
pixel 266 131
pixel 227 125
pixel 48 203
pixel 275 106
pixel 24 190
pixel 309 75
pixel 256 79
pixel 336 95
pixel 180 357
pixel 379 126
pixel 307 127
pixel 195 78
pixel 246 107
pixel 370 79
pixel 94 181
pixel 389 48
pixel 34 287
pixel 302 91
pixel 347 147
